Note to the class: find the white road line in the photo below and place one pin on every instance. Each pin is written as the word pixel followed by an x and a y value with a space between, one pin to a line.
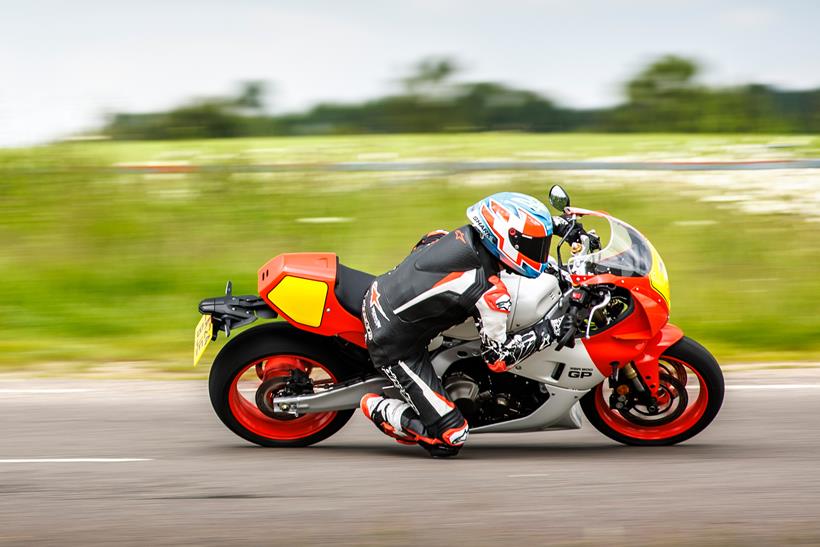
pixel 74 460
pixel 323 220
pixel 773 386
pixel 528 475
pixel 43 391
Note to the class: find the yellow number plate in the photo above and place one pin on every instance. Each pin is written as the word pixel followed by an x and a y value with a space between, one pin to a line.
pixel 202 337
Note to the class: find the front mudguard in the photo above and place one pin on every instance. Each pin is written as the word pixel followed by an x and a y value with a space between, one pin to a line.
pixel 647 364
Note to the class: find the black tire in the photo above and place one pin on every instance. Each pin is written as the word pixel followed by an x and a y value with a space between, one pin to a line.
pixel 263 341
pixel 699 359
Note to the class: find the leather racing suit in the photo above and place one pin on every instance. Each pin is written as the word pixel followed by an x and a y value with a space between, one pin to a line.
pixel 444 281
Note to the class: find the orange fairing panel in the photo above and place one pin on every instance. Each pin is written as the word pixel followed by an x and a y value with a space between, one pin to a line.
pixel 299 286
pixel 647 364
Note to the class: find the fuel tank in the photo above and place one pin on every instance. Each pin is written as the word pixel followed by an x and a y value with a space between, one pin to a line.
pixel 531 300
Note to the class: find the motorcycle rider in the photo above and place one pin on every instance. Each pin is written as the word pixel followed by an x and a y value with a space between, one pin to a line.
pixel 447 278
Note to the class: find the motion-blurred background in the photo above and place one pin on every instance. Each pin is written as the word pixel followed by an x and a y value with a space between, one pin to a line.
pixel 154 150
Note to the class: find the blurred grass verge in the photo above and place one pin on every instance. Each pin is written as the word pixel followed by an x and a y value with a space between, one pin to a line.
pixel 101 273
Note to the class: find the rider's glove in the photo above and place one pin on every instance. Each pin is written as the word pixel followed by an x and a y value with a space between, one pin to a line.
pixel 567 331
pixel 575 232
pixel 545 332
pixel 500 357
pixel 568 230
pixel 579 298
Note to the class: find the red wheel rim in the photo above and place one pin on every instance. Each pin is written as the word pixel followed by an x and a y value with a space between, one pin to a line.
pixel 694 411
pixel 246 412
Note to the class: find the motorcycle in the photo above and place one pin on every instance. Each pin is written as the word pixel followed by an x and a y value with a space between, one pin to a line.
pixel 635 376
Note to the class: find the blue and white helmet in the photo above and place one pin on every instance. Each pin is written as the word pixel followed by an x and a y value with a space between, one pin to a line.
pixel 516 228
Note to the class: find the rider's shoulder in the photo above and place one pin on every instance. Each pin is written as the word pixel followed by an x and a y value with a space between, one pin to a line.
pixel 455 251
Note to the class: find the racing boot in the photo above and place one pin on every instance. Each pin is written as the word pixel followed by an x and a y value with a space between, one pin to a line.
pixel 448 443
pixel 397 419
pixel 387 415
pixel 440 450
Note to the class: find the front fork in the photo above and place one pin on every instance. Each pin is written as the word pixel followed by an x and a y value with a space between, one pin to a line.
pixel 643 374
pixel 635 383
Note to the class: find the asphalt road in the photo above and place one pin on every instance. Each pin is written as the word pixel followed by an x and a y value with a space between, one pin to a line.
pixel 158 468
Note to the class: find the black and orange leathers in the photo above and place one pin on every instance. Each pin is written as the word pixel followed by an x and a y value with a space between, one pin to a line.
pixel 439 285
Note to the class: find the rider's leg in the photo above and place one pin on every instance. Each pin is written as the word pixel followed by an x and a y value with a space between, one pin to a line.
pixel 389 416
pixel 427 413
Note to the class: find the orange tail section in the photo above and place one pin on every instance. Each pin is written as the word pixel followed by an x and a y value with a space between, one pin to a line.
pixel 300 287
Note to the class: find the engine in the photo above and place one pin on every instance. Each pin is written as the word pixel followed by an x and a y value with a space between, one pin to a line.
pixel 486 398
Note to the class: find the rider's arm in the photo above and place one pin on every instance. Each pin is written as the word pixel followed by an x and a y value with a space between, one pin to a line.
pixel 500 351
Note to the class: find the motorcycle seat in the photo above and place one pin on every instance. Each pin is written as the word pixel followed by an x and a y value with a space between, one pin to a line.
pixel 351 286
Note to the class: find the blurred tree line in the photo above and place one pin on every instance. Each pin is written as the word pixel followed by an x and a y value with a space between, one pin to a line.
pixel 665 96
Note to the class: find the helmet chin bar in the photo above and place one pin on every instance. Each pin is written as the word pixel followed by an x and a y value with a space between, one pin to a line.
pixel 513 270
pixel 516 228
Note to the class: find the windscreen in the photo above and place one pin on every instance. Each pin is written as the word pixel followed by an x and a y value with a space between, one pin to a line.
pixel 627 254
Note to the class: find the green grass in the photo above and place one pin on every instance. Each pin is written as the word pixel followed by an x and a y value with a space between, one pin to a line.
pixel 574 146
pixel 98 268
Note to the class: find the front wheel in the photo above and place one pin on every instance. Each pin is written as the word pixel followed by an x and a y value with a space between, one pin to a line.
pixel 690 394
pixel 261 362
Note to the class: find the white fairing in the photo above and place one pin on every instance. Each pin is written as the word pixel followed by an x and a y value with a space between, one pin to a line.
pixel 566 375
pixel 531 300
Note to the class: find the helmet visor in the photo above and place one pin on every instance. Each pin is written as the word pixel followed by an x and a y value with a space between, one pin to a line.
pixel 534 248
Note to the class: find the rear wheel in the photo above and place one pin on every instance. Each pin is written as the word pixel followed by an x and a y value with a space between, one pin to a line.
pixel 689 397
pixel 262 362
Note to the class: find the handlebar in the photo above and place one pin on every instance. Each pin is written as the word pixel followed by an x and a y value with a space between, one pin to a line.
pixel 582 241
pixel 580 299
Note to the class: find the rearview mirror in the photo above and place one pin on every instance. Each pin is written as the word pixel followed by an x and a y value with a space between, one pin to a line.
pixel 559 198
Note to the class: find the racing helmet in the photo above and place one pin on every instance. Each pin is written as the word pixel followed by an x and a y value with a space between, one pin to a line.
pixel 516 228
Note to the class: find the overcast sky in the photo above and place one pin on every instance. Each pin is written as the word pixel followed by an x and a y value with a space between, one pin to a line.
pixel 64 64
